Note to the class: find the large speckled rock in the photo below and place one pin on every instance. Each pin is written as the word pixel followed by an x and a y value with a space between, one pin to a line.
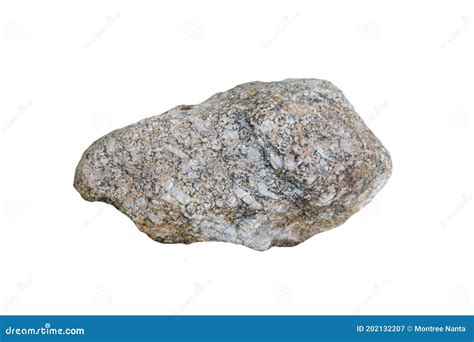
pixel 262 165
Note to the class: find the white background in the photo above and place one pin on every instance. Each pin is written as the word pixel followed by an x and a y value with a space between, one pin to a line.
pixel 71 72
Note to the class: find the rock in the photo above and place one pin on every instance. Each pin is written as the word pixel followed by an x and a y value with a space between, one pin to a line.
pixel 262 165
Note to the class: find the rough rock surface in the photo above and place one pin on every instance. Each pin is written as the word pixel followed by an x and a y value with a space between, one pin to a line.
pixel 262 165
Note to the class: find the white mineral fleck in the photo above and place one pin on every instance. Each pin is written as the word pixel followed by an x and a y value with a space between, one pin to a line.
pixel 263 190
pixel 176 151
pixel 266 126
pixel 180 196
pixel 276 160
